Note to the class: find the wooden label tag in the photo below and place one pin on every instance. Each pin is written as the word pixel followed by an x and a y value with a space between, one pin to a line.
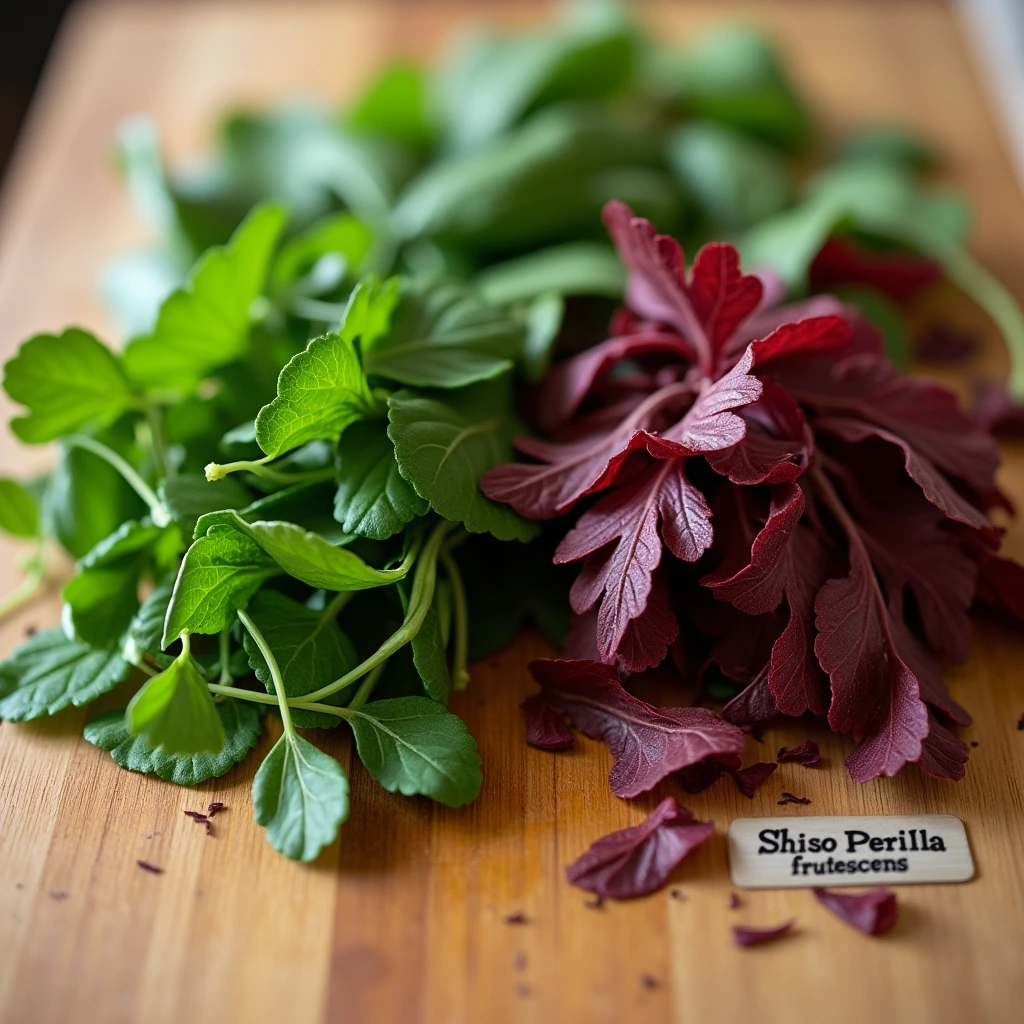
pixel 792 852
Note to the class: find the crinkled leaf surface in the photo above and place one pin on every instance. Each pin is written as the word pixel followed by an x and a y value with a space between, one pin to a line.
pixel 373 498
pixel 240 719
pixel 443 335
pixel 48 672
pixel 444 446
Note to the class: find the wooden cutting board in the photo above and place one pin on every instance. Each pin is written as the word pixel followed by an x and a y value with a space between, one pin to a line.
pixel 404 918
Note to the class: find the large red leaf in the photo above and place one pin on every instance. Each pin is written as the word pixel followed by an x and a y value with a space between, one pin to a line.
pixel 721 296
pixel 647 743
pixel 942 754
pixel 639 860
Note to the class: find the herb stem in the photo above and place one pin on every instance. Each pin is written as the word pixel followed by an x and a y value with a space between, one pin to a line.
pixel 156 436
pixel 161 517
pixel 460 614
pixel 275 674
pixel 217 471
pixel 974 279
pixel 28 589
pixel 333 608
pixel 367 685
pixel 224 647
pixel 419 603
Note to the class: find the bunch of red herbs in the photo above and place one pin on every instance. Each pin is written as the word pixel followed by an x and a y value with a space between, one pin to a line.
pixel 776 501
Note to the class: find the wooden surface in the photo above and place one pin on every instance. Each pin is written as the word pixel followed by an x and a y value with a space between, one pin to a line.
pixel 403 920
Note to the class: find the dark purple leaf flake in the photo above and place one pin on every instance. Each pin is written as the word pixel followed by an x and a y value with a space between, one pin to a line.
pixel 748 935
pixel 874 912
pixel 805 753
pixel 638 860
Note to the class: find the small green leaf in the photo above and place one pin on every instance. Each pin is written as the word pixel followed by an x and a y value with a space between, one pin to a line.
pixel 310 650
pixel 575 268
pixel 220 572
pixel 102 596
pixel 242 721
pixel 341 237
pixel 300 795
pixel 67 382
pixel 373 499
pixel 734 180
pixel 304 555
pixel 188 496
pixel 175 711
pixel 19 513
pixel 49 672
pixel 323 389
pixel 443 335
pixel 147 627
pixel 206 324
pixel 430 655
pixel 395 106
pixel 443 447
pixel 414 745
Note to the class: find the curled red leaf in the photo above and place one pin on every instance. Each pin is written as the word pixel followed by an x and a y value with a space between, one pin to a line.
pixel 874 912
pixel 647 743
pixel 744 935
pixel 750 779
pixel 805 753
pixel 545 726
pixel 638 860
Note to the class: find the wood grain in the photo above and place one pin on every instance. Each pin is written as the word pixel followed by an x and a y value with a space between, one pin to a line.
pixel 404 919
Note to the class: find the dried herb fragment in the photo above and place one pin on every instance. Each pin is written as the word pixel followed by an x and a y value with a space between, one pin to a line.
pixel 805 753
pixel 649 982
pixel 215 808
pixel 747 935
pixel 597 903
pixel 788 798
pixel 750 779
pixel 635 861
pixel 874 912
pixel 152 868
pixel 734 901
pixel 518 917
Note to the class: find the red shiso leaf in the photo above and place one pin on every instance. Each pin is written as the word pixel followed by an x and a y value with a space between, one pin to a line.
pixel 899 275
pixel 564 388
pixel 649 636
pixel 925 416
pixel 753 777
pixel 638 860
pixel 754 704
pixel 621 577
pixel 758 587
pixel 647 743
pixel 997 412
pixel 936 486
pixel 805 753
pixel 1000 586
pixel 874 912
pixel 942 754
pixel 747 935
pixel 721 296
pixel 545 726
pixel 777 445
pixel 698 777
pixel 814 336
pixel 795 678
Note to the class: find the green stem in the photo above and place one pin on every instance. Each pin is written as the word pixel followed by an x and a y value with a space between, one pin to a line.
pixel 333 608
pixel 460 614
pixel 161 517
pixel 275 674
pixel 156 435
pixel 224 647
pixel 419 603
pixel 26 591
pixel 970 276
pixel 217 471
pixel 366 687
